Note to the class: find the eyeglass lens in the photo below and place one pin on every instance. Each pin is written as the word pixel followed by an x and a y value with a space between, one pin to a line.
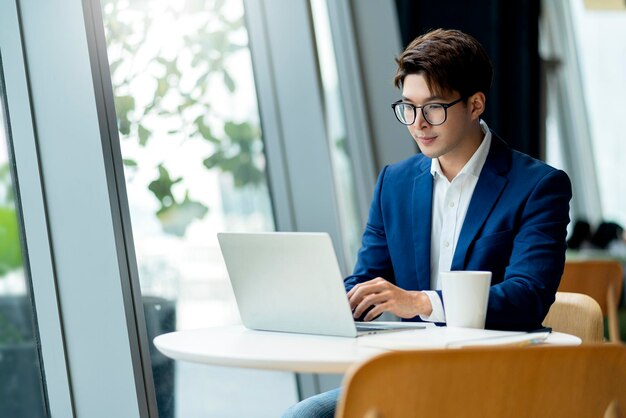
pixel 435 114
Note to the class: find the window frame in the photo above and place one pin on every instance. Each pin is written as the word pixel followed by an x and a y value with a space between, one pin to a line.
pixel 31 207
pixel 92 270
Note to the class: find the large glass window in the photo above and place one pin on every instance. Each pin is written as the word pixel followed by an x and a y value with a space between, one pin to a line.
pixel 600 35
pixel 194 165
pixel 584 84
pixel 343 171
pixel 21 381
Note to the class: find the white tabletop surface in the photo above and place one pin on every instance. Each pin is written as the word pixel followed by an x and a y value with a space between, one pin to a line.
pixel 241 347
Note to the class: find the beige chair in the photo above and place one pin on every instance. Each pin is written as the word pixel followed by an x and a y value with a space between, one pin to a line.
pixel 576 314
pixel 600 279
pixel 547 381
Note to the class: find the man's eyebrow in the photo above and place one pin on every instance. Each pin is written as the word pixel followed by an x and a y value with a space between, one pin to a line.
pixel 428 99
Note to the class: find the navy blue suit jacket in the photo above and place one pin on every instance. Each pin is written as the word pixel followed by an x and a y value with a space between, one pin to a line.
pixel 515 227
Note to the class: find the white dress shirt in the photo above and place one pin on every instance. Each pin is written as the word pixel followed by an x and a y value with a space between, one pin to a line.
pixel 450 202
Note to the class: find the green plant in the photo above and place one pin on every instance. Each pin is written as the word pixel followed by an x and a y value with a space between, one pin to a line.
pixel 10 252
pixel 10 249
pixel 183 80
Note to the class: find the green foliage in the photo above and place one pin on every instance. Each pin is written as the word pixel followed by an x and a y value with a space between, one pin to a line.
pixel 10 251
pixel 237 153
pixel 123 106
pixel 174 216
pixel 162 187
pixel 205 130
pixel 143 134
pixel 180 95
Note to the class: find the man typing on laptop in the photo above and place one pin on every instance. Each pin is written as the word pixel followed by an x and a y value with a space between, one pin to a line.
pixel 467 202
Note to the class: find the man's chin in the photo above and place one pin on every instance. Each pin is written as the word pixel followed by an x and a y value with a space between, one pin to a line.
pixel 428 152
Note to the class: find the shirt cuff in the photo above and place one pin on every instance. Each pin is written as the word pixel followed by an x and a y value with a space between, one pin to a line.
pixel 437 315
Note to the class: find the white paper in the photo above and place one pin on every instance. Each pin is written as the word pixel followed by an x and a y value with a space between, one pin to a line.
pixel 448 337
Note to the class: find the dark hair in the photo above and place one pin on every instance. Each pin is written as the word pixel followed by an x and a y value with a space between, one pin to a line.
pixel 606 233
pixel 450 60
pixel 580 234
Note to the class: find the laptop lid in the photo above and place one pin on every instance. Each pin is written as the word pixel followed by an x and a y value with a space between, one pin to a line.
pixel 288 281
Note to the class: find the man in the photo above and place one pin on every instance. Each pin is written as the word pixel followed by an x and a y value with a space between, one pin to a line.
pixel 467 202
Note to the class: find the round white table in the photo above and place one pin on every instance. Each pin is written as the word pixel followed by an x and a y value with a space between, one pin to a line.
pixel 238 346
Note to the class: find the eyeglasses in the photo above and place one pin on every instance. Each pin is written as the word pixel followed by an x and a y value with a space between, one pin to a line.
pixel 434 113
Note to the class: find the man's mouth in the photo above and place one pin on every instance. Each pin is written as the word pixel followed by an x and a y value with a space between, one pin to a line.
pixel 426 139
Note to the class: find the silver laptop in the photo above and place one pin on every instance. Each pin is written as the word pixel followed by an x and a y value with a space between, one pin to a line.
pixel 290 281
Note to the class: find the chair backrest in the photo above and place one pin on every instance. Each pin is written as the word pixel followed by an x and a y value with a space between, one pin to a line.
pixel 576 314
pixel 584 381
pixel 593 278
pixel 600 279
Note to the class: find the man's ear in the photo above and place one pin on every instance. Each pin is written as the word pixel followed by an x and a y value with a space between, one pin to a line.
pixel 476 104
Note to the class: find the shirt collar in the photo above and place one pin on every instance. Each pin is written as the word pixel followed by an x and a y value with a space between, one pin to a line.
pixel 475 164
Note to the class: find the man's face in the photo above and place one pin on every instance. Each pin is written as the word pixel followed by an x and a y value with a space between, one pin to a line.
pixel 446 141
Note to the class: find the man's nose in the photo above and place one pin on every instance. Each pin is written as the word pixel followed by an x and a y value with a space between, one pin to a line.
pixel 420 122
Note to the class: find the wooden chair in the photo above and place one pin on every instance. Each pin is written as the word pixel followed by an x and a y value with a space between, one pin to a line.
pixel 555 382
pixel 576 314
pixel 600 279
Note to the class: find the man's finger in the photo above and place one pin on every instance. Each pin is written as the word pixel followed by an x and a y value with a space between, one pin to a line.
pixel 364 289
pixel 354 289
pixel 370 300
pixel 375 312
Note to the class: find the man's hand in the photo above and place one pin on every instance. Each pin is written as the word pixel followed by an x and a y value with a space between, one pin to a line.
pixel 385 297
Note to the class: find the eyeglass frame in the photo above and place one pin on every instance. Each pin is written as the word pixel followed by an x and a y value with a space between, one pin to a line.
pixel 444 105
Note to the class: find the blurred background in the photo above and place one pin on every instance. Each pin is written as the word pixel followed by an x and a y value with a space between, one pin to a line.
pixel 263 115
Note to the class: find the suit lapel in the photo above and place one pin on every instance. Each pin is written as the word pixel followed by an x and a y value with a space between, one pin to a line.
pixel 489 187
pixel 422 211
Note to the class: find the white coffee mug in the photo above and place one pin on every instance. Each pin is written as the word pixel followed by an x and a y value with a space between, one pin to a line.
pixel 465 297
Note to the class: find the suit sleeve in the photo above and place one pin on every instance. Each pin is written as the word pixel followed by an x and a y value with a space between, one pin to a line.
pixel 373 257
pixel 521 301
